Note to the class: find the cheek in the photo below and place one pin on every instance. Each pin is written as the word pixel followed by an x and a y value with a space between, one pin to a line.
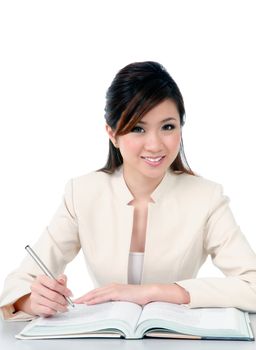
pixel 174 142
pixel 129 146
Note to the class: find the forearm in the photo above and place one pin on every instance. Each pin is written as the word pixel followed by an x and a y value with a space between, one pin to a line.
pixel 230 291
pixel 171 293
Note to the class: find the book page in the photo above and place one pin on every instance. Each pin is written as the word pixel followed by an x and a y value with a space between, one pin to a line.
pixel 204 318
pixel 88 318
pixel 83 313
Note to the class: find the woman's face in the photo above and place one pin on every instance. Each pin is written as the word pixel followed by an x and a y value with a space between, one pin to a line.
pixel 153 144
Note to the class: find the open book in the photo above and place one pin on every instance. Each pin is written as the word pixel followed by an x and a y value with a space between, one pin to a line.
pixel 131 321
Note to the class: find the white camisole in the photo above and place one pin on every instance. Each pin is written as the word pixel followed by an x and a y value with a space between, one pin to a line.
pixel 135 267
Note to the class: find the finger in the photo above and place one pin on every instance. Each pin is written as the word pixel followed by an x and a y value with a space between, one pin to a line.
pixel 108 293
pixel 79 300
pixel 44 311
pixel 42 307
pixel 51 304
pixel 100 296
pixel 62 279
pixel 95 295
pixel 54 285
pixel 109 290
pixel 100 299
pixel 43 291
pixel 83 299
pixel 95 292
pixel 99 291
pixel 87 295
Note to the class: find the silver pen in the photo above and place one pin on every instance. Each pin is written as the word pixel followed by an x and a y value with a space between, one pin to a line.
pixel 45 269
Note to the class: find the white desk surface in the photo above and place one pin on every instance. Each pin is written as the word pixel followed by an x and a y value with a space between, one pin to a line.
pixel 9 342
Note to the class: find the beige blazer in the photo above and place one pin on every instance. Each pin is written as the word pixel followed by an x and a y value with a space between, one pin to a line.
pixel 188 219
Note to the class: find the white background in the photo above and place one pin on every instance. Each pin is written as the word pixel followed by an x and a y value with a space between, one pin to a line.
pixel 57 59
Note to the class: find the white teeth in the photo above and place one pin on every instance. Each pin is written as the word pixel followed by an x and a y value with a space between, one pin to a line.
pixel 153 159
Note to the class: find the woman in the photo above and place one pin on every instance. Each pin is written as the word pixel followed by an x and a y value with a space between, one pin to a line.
pixel 145 222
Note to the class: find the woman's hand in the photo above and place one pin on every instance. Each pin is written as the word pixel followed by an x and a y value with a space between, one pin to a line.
pixel 139 294
pixel 46 297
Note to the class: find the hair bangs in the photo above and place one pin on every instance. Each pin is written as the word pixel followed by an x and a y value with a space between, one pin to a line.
pixel 142 103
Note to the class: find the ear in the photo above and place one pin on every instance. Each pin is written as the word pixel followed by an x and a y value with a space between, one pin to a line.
pixel 111 135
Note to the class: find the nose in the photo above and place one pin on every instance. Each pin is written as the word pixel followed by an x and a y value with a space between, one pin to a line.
pixel 153 142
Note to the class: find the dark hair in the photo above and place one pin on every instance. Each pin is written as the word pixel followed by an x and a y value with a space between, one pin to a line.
pixel 136 89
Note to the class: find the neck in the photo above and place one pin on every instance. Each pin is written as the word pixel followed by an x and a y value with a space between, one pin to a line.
pixel 140 186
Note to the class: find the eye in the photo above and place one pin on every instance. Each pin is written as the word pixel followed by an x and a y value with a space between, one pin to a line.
pixel 169 127
pixel 137 129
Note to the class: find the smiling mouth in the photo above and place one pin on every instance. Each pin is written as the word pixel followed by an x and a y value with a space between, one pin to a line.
pixel 153 159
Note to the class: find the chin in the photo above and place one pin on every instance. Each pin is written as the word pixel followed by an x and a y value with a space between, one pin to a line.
pixel 155 173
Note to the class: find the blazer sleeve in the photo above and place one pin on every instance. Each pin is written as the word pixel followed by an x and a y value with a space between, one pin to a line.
pixel 232 254
pixel 57 246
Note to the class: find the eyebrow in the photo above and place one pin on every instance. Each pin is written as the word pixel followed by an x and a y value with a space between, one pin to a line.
pixel 162 121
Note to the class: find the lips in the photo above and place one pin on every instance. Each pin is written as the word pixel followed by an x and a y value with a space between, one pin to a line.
pixel 153 161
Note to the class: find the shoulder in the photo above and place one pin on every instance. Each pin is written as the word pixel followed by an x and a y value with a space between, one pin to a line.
pixel 95 182
pixel 195 181
pixel 92 178
pixel 195 185
pixel 88 190
pixel 196 194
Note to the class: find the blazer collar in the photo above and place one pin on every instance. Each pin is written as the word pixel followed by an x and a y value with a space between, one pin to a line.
pixel 123 193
